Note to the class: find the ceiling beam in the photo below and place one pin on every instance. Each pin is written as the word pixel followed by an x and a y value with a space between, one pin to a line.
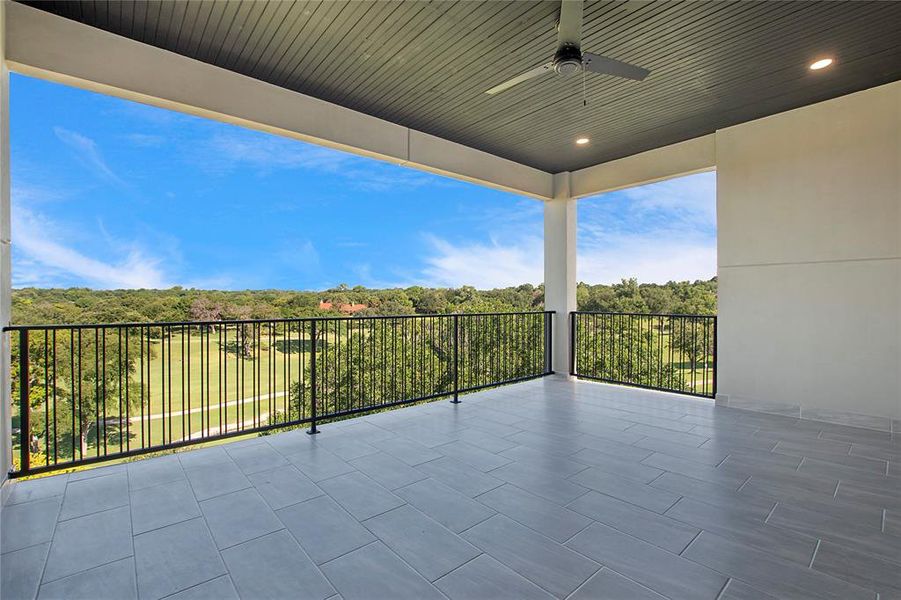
pixel 44 45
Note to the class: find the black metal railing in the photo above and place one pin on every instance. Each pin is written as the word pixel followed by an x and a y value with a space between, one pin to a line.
pixel 89 393
pixel 675 353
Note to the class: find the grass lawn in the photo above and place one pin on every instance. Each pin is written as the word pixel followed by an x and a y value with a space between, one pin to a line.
pixel 197 384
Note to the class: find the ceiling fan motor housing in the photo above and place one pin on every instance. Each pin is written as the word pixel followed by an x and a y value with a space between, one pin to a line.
pixel 568 60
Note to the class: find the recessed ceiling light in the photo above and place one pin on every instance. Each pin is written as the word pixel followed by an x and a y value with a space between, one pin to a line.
pixel 820 64
pixel 582 141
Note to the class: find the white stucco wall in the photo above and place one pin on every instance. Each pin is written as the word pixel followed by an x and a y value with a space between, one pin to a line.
pixel 809 254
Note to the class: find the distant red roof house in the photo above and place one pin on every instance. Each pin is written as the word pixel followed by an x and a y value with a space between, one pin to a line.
pixel 347 309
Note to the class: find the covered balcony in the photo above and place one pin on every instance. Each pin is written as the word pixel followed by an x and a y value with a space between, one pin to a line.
pixel 548 454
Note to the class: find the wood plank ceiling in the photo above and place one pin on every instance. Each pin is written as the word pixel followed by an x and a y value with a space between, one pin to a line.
pixel 426 64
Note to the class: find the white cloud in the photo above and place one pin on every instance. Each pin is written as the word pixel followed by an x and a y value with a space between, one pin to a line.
pixel 225 152
pixel 32 194
pixel 686 200
pixel 656 233
pixel 87 152
pixel 646 257
pixel 607 259
pixel 42 259
pixel 299 255
pixel 146 140
pixel 483 265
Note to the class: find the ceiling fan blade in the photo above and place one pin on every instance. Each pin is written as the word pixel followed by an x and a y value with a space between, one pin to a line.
pixel 609 66
pixel 569 28
pixel 546 68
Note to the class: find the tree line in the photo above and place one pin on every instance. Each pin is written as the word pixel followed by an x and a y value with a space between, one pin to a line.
pixel 83 305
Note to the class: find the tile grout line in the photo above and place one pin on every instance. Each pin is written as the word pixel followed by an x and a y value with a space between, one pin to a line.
pixel 725 458
pixel 570 538
pixel 378 540
pixel 426 516
pixel 168 524
pixel 346 512
pixel 668 508
pixel 772 510
pixel 293 537
pixel 253 539
pixel 96 512
pixel 662 473
pixel 52 538
pixel 635 537
pixel 158 484
pixel 131 524
pixel 814 556
pixel 688 545
pixel 480 555
pixel 206 524
pixel 109 562
pixel 218 495
pixel 474 525
pixel 275 510
pixel 587 579
pixel 312 562
pixel 28 547
pixel 191 587
pixel 723 589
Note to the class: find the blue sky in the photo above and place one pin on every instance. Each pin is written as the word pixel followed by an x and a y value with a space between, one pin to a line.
pixel 113 194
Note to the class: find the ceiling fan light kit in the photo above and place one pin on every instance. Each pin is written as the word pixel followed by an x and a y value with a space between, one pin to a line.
pixel 567 60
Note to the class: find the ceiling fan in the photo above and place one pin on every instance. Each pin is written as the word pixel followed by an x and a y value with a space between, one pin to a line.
pixel 569 58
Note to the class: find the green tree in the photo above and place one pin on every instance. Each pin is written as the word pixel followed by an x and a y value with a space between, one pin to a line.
pixel 695 339
pixel 82 384
pixel 615 348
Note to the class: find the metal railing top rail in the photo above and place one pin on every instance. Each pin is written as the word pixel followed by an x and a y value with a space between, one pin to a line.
pixel 50 327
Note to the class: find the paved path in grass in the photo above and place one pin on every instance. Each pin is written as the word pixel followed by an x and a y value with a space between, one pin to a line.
pixel 178 413
pixel 229 427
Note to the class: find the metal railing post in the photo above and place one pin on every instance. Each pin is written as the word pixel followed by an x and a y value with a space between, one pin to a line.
pixel 549 340
pixel 24 409
pixel 572 343
pixel 456 399
pixel 314 347
pixel 714 356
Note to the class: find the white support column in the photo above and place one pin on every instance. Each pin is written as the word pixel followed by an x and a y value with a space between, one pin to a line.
pixel 560 266
pixel 5 261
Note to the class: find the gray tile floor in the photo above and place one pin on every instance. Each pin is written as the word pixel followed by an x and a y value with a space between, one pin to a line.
pixel 543 489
